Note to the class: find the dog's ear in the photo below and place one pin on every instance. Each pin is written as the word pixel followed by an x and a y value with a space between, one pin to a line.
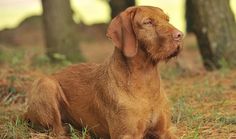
pixel 121 32
pixel 114 32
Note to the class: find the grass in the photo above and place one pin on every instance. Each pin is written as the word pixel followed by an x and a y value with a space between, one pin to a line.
pixel 203 105
pixel 12 126
pixel 75 134
pixel 15 129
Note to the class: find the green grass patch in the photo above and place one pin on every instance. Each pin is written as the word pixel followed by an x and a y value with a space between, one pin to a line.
pixel 15 129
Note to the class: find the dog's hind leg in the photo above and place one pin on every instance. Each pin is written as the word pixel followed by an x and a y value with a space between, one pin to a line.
pixel 44 103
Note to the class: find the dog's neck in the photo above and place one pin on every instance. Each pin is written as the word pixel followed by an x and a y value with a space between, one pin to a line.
pixel 139 63
pixel 134 69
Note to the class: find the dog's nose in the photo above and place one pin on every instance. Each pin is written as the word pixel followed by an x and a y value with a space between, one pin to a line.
pixel 177 35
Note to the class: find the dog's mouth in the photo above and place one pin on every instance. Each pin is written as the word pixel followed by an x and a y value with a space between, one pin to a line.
pixel 174 54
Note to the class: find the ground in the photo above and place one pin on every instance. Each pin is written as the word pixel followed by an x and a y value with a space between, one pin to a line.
pixel 203 103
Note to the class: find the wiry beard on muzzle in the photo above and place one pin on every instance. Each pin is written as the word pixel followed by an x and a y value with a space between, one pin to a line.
pixel 159 56
pixel 172 55
pixel 154 54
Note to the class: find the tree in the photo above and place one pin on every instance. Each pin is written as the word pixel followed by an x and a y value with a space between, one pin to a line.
pixel 214 25
pixel 119 5
pixel 188 15
pixel 59 30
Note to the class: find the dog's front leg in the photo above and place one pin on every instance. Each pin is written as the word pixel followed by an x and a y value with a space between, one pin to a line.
pixel 127 136
pixel 129 128
pixel 163 129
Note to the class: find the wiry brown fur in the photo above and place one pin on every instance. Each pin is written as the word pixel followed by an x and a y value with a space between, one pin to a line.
pixel 120 98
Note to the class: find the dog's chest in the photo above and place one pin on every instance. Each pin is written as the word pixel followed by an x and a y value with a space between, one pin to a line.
pixel 153 117
pixel 148 110
pixel 143 107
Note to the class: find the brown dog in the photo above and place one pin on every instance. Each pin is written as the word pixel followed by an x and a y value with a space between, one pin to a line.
pixel 121 98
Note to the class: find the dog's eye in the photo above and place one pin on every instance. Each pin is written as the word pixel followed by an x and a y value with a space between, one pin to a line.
pixel 147 22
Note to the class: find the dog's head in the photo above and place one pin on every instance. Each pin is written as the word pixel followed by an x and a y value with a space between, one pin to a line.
pixel 145 28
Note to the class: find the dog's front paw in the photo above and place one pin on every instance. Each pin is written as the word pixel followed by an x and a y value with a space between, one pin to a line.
pixel 168 135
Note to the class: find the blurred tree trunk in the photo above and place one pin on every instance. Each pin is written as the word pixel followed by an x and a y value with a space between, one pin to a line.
pixel 214 25
pixel 119 5
pixel 60 31
pixel 188 16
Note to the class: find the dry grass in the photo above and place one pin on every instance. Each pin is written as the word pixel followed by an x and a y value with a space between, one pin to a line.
pixel 204 105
